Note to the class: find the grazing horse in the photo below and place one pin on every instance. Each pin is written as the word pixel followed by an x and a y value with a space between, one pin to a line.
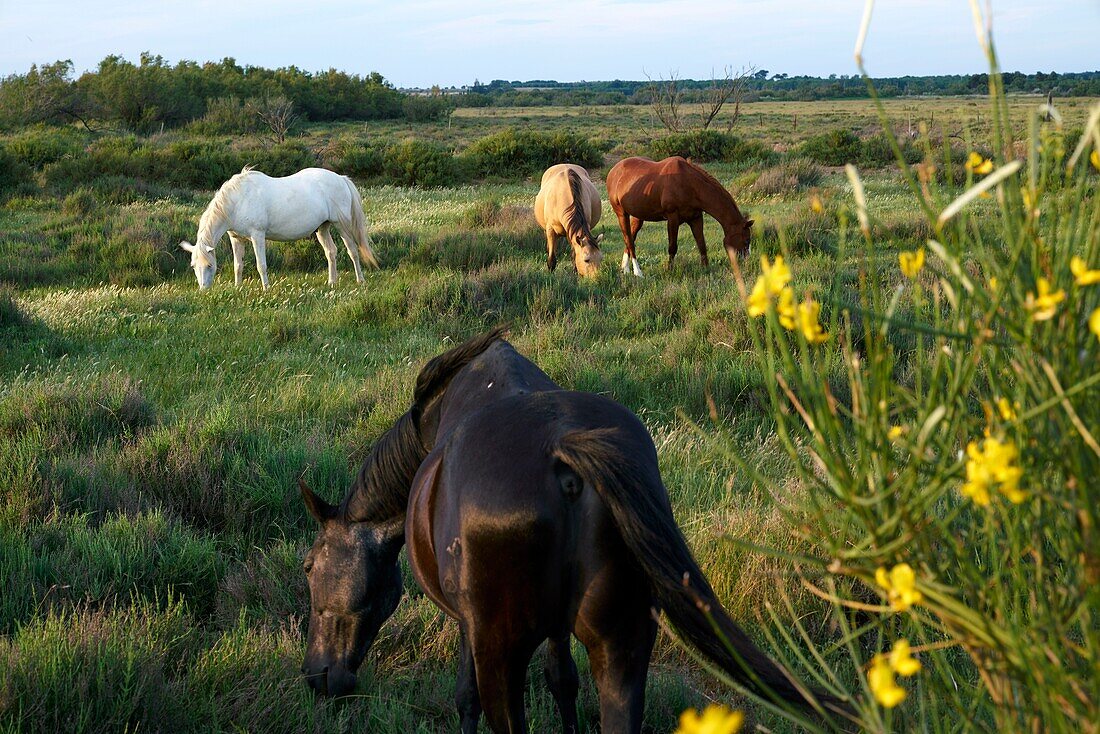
pixel 531 513
pixel 568 205
pixel 676 191
pixel 254 206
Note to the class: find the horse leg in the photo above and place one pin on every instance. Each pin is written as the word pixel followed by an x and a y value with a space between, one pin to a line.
pixel 500 666
pixel 551 249
pixel 466 695
pixel 628 244
pixel 347 234
pixel 324 236
pixel 259 246
pixel 635 228
pixel 619 656
pixel 673 234
pixel 697 230
pixel 562 679
pixel 238 243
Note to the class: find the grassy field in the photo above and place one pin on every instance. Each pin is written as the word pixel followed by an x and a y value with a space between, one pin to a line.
pixel 150 532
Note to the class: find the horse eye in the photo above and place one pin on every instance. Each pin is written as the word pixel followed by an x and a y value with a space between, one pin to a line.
pixel 308 564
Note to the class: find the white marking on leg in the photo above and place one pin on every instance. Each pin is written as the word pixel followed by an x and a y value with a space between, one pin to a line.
pixel 637 269
pixel 626 262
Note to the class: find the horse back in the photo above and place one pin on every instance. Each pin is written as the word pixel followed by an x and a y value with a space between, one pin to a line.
pixel 501 528
pixel 555 195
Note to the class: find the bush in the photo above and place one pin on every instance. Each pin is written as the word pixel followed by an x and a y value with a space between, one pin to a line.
pixel 420 108
pixel 278 160
pixel 710 145
pixel 352 158
pixel 15 175
pixel 834 148
pixel 226 116
pixel 414 162
pixel 790 175
pixel 877 151
pixel 522 152
pixel 38 146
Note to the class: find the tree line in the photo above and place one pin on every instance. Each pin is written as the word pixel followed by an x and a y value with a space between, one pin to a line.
pixel 153 94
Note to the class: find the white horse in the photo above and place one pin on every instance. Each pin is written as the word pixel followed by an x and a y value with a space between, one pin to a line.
pixel 255 206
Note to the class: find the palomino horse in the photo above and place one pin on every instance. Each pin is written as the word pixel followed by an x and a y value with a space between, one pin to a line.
pixel 676 191
pixel 254 206
pixel 568 205
pixel 531 513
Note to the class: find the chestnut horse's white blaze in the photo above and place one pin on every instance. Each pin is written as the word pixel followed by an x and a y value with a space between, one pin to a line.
pixel 254 206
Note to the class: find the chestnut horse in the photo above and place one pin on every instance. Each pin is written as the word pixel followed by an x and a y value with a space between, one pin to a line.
pixel 531 513
pixel 568 205
pixel 675 191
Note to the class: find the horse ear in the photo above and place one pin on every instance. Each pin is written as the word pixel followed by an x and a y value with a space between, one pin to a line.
pixel 748 222
pixel 322 511
pixel 210 250
pixel 599 238
pixel 187 246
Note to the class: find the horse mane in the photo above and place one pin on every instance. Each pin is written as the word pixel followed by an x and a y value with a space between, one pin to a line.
pixel 709 178
pixel 381 489
pixel 575 220
pixel 216 210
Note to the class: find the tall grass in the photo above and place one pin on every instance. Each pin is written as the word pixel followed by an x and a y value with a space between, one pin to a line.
pixel 951 486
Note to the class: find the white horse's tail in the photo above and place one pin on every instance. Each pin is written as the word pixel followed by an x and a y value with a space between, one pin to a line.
pixel 358 226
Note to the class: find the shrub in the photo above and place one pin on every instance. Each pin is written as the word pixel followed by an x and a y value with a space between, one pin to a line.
pixel 15 175
pixel 414 162
pixel 353 158
pixel 877 151
pixel 38 146
pixel 226 116
pixel 790 175
pixel 710 145
pixel 834 148
pixel 421 108
pixel 523 152
pixel 278 160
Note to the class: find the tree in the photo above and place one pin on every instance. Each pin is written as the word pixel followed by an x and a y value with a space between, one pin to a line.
pixel 44 94
pixel 277 114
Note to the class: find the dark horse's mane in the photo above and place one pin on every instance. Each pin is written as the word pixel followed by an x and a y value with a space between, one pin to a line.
pixel 575 220
pixel 381 489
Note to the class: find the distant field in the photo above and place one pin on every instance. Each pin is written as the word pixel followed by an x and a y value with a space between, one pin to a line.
pixel 150 531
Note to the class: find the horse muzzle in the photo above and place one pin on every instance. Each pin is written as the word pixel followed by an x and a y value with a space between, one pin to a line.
pixel 329 681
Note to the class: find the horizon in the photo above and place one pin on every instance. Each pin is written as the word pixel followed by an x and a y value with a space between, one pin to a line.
pixel 426 42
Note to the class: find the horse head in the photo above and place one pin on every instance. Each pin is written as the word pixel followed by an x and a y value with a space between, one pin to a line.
pixel 346 608
pixel 203 261
pixel 737 238
pixel 587 254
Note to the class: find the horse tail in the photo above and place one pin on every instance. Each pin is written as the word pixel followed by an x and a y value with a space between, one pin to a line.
pixel 358 225
pixel 638 501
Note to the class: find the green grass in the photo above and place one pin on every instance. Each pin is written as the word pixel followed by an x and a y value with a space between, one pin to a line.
pixel 150 435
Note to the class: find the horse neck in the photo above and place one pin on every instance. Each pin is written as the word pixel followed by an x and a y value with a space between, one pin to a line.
pixel 719 203
pixel 380 493
pixel 212 227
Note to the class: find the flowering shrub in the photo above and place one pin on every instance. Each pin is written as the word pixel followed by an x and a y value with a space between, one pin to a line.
pixel 950 481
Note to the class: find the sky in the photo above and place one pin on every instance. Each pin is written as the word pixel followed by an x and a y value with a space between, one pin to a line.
pixel 417 43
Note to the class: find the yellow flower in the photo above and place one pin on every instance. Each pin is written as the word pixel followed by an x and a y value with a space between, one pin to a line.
pixel 1007 409
pixel 900 584
pixel 776 276
pixel 896 432
pixel 993 465
pixel 902 661
pixel 786 308
pixel 772 281
pixel 1045 304
pixel 911 262
pixel 1081 273
pixel 1094 323
pixel 815 204
pixel 808 314
pixel 976 163
pixel 758 300
pixel 715 720
pixel 993 283
pixel 1094 158
pixel 880 677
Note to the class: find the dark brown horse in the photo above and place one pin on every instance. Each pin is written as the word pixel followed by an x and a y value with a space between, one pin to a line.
pixel 531 513
pixel 675 191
